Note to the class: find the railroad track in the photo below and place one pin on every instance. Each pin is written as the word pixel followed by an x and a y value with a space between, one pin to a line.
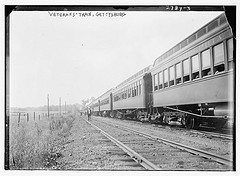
pixel 134 155
pixel 155 153
pixel 201 132
pixel 206 133
pixel 213 134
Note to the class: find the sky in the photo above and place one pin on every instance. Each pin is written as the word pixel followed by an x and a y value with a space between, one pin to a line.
pixel 76 58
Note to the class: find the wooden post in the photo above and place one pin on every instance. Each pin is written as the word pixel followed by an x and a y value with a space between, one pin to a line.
pixel 39 116
pixel 19 118
pixel 27 117
pixel 65 108
pixel 48 104
pixel 60 105
pixel 34 116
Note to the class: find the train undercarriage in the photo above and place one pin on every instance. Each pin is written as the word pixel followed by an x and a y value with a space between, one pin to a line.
pixel 190 116
pixel 193 116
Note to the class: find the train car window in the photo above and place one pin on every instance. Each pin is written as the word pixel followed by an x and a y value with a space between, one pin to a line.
pixel 160 78
pixel 186 70
pixel 201 32
pixel 155 82
pixel 212 25
pixel 230 53
pixel 119 96
pixel 165 73
pixel 140 87
pixel 132 90
pixel 178 73
pixel 195 67
pixel 171 76
pixel 125 92
pixel 128 91
pixel 122 95
pixel 206 70
pixel 115 98
pixel 137 87
pixel 218 58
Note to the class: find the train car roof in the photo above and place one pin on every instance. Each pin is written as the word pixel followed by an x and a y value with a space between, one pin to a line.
pixel 138 74
pixel 194 36
pixel 106 93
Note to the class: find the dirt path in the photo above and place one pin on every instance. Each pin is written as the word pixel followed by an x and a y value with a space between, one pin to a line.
pixel 87 149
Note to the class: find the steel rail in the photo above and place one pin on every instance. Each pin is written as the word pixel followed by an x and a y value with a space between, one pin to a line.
pixel 219 135
pixel 135 156
pixel 192 150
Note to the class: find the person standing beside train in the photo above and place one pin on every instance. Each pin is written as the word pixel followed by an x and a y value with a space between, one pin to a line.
pixel 89 114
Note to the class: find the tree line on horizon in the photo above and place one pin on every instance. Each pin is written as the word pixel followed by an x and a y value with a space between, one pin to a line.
pixel 69 107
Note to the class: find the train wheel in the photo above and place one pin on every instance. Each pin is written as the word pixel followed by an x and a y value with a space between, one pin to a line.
pixel 189 123
pixel 111 114
pixel 183 121
pixel 192 123
pixel 119 116
pixel 166 119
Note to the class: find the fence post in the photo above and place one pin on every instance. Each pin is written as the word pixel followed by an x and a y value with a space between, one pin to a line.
pixel 39 116
pixel 34 116
pixel 27 117
pixel 19 118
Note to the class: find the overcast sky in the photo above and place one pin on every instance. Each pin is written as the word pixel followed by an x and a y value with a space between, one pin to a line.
pixel 80 57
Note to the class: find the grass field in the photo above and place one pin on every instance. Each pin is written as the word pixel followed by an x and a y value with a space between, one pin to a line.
pixel 36 144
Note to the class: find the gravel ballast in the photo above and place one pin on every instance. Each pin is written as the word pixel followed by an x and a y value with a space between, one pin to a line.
pixel 88 149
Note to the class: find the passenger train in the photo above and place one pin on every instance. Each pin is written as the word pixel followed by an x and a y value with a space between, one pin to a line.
pixel 190 84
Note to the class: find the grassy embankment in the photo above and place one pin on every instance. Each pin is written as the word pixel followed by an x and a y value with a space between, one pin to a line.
pixel 37 144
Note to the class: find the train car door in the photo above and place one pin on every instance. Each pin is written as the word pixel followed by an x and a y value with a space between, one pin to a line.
pixel 111 102
pixel 148 96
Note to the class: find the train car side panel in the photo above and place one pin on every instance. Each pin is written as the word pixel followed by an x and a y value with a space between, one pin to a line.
pixel 213 89
pixel 130 103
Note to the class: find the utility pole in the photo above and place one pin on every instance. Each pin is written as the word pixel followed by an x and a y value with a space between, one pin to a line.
pixel 60 105
pixel 65 108
pixel 48 104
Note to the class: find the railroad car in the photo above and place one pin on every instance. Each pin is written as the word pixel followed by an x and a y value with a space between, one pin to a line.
pixel 105 103
pixel 95 107
pixel 190 84
pixel 130 98
pixel 193 81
